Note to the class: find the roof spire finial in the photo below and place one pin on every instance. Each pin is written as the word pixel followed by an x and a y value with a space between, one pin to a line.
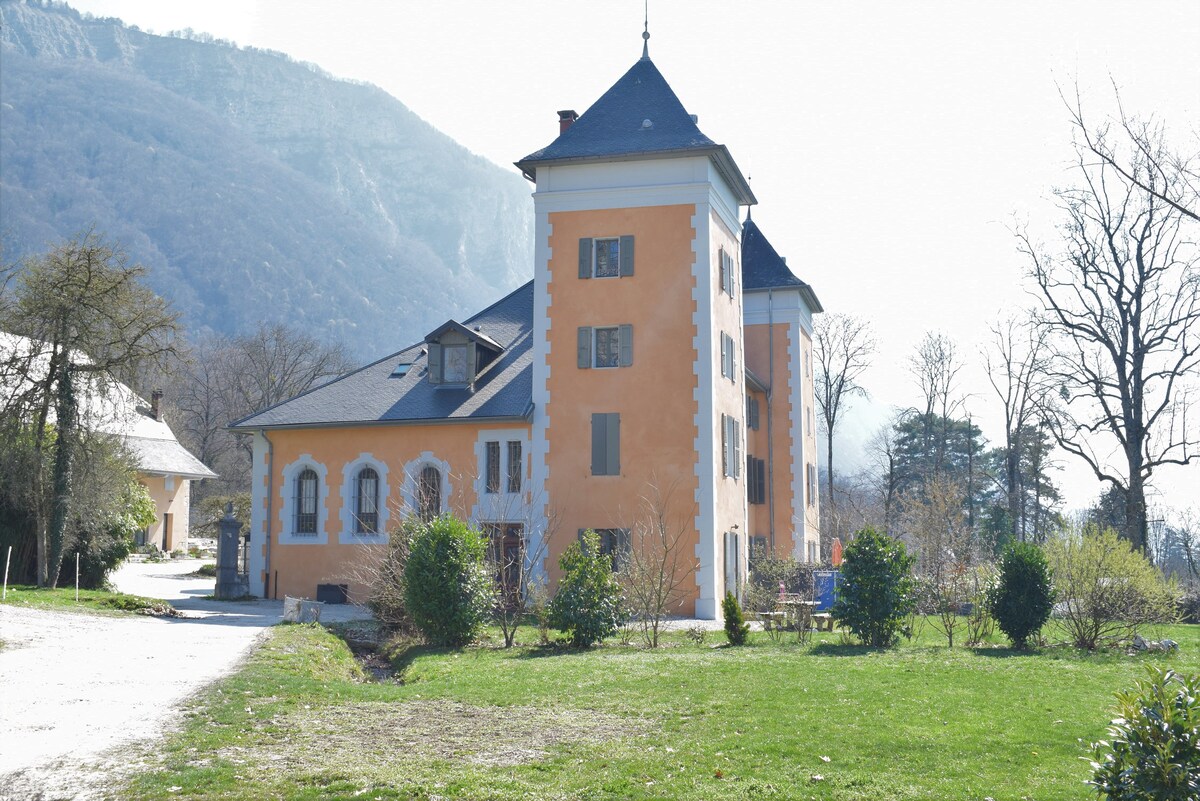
pixel 749 208
pixel 646 32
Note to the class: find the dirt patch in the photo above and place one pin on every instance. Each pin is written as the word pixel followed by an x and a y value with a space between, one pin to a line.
pixel 380 737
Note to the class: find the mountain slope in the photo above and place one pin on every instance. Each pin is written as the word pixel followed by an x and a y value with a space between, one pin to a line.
pixel 253 187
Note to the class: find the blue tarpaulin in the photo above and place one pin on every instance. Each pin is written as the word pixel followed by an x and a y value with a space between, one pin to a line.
pixel 825 584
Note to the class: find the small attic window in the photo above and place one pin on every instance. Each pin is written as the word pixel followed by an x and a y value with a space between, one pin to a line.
pixel 401 369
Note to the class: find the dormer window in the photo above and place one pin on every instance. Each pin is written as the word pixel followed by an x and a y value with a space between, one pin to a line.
pixel 454 364
pixel 459 355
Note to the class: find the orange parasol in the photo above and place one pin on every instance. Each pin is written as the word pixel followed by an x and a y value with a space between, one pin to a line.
pixel 836 552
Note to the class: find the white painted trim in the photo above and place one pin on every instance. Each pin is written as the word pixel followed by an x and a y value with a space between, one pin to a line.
pixel 347 535
pixel 539 447
pixel 622 197
pixel 412 476
pixel 707 462
pixel 287 509
pixel 788 307
pixel 502 506
pixel 258 512
pixel 795 386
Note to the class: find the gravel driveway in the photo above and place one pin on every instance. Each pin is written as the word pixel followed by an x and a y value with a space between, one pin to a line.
pixel 95 692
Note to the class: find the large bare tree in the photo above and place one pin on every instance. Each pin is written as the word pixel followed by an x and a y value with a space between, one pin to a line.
pixel 935 366
pixel 1120 302
pixel 1014 362
pixel 842 346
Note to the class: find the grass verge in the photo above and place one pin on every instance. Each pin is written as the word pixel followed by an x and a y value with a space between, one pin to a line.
pixel 825 720
pixel 102 601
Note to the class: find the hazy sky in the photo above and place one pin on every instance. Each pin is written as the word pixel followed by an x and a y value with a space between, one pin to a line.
pixel 891 145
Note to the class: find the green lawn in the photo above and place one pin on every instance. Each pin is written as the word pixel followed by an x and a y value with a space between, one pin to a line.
pixel 773 720
pixel 99 601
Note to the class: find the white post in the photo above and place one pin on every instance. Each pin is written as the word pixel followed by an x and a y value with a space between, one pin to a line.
pixel 76 576
pixel 7 559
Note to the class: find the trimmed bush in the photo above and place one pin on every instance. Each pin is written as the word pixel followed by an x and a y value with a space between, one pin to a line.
pixel 447 588
pixel 1023 598
pixel 736 627
pixel 877 591
pixel 1153 748
pixel 587 605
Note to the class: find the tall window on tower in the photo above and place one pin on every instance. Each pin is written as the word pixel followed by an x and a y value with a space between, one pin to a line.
pixel 366 502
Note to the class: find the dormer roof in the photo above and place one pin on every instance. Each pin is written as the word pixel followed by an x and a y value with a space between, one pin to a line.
pixel 475 334
pixel 763 268
pixel 640 117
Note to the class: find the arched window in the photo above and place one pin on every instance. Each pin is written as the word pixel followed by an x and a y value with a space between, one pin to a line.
pixel 366 501
pixel 306 502
pixel 429 493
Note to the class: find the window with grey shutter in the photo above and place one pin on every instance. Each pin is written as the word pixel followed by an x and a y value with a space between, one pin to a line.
pixel 492 483
pixel 752 419
pixel 724 355
pixel 726 443
pixel 607 352
pixel 606 444
pixel 626 255
pixel 733 367
pixel 585 257
pixel 515 466
pixel 584 358
pixel 737 447
pixel 721 267
pixel 625 334
pixel 607 254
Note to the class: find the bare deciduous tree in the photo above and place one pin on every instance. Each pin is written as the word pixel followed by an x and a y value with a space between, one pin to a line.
pixel 935 366
pixel 1014 364
pixel 660 564
pixel 842 347
pixel 1121 307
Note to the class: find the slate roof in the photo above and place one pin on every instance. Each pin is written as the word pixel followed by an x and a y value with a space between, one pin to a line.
pixel 167 456
pixel 614 129
pixel 763 268
pixel 375 395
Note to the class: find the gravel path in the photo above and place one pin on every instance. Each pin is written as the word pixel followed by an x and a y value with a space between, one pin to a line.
pixel 94 692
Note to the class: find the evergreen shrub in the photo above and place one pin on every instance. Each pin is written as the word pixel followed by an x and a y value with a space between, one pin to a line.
pixel 877 591
pixel 447 588
pixel 587 606
pixel 736 627
pixel 1023 598
pixel 1153 748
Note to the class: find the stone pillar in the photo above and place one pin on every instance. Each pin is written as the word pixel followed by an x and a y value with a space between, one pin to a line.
pixel 230 584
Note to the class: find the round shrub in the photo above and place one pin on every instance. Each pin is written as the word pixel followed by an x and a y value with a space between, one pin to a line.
pixel 587 605
pixel 736 627
pixel 877 590
pixel 447 588
pixel 1153 748
pixel 1023 598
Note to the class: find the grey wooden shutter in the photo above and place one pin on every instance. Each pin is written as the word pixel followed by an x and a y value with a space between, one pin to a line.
pixel 721 268
pixel 732 360
pixel 472 361
pixel 625 338
pixel 435 362
pixel 585 257
pixel 599 441
pixel 626 255
pixel 724 445
pixel 584 359
pixel 737 447
pixel 613 445
pixel 724 355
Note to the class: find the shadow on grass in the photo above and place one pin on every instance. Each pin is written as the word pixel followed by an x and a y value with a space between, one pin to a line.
pixel 840 649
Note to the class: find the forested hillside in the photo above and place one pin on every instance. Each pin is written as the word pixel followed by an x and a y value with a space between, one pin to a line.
pixel 253 187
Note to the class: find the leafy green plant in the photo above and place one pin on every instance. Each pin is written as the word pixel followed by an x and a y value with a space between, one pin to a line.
pixel 208 571
pixel 448 590
pixel 877 591
pixel 736 627
pixel 1106 590
pixel 587 606
pixel 1023 598
pixel 1153 748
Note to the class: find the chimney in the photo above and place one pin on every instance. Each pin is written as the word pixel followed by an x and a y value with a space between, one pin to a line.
pixel 565 118
pixel 155 399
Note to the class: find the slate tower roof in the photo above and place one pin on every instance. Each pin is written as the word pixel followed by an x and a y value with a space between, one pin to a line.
pixel 763 268
pixel 640 117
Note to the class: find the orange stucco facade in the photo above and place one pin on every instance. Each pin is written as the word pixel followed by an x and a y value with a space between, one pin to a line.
pixel 635 401
pixel 172 497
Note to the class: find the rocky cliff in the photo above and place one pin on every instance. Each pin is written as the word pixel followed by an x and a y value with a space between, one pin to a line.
pixel 253 187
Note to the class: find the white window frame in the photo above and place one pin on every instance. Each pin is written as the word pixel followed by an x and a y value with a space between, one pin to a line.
pixel 596 240
pixel 616 329
pixel 348 535
pixel 287 509
pixel 412 483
